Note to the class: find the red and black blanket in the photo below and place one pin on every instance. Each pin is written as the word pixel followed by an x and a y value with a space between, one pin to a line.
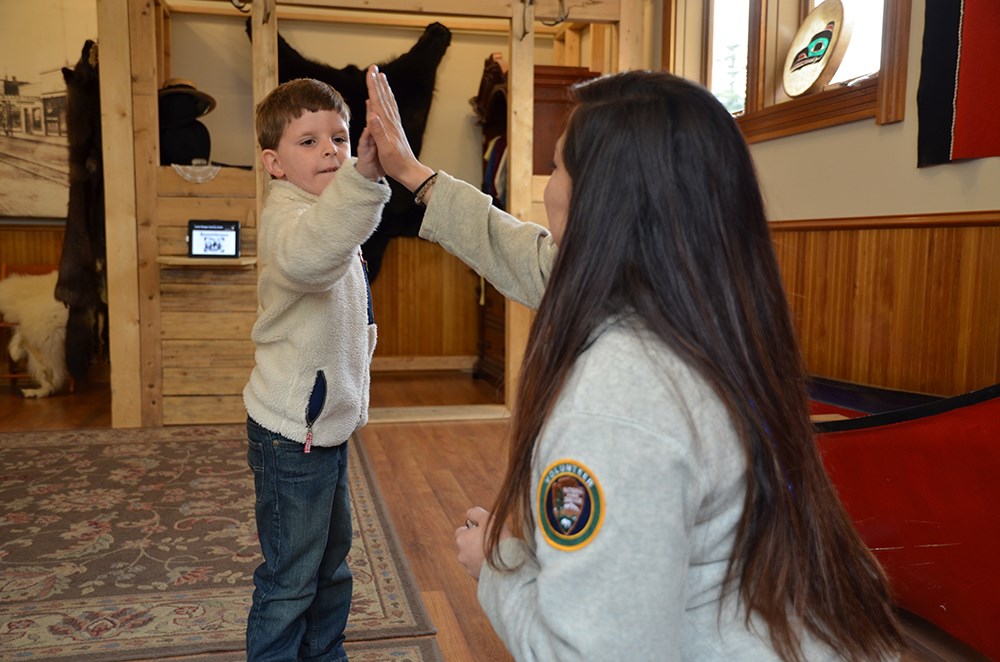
pixel 959 79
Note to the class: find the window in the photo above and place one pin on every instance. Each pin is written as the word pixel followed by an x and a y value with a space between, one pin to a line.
pixel 864 53
pixel 746 46
pixel 730 42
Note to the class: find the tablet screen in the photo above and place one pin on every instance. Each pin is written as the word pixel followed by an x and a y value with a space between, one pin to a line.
pixel 213 238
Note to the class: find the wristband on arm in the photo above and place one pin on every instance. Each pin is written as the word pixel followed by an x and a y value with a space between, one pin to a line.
pixel 420 195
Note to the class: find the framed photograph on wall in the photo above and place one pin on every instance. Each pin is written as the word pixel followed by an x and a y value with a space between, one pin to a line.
pixel 40 38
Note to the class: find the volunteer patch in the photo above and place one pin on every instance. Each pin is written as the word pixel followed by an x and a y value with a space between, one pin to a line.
pixel 570 505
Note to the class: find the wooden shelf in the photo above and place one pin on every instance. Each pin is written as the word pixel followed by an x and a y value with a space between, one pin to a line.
pixel 208 262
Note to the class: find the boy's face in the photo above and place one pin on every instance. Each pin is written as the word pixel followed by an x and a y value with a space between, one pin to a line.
pixel 312 149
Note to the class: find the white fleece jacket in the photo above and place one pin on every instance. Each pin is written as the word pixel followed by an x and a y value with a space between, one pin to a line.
pixel 313 303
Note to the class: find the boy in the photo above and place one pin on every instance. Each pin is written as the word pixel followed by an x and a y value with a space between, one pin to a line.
pixel 314 337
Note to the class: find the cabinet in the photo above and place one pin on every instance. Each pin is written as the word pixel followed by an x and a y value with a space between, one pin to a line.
pixel 552 105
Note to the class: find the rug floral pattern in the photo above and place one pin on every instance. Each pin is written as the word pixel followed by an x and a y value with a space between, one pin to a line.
pixel 118 542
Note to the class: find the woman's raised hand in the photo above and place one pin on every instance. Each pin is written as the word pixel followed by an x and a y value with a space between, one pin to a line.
pixel 385 127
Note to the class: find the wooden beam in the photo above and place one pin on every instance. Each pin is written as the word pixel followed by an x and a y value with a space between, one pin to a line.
pixel 667 37
pixel 895 48
pixel 119 206
pixel 630 32
pixel 145 102
pixel 265 75
pixel 520 128
pixel 599 60
pixel 583 11
pixel 571 48
pixel 356 17
pixel 164 41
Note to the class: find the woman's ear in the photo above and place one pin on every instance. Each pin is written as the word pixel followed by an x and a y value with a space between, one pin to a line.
pixel 271 163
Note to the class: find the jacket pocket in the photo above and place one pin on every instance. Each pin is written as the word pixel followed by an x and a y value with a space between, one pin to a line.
pixel 317 399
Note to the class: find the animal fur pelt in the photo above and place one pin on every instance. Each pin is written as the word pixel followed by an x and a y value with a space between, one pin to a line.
pixel 82 278
pixel 412 76
pixel 40 334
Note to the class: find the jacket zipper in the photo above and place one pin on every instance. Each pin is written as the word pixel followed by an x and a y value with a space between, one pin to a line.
pixel 319 384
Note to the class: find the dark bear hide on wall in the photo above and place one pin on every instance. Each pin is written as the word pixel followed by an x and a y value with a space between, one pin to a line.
pixel 82 274
pixel 412 76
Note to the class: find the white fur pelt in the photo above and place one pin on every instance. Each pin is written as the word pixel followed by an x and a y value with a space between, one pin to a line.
pixel 40 336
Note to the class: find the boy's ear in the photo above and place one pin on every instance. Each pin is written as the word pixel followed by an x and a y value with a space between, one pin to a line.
pixel 271 163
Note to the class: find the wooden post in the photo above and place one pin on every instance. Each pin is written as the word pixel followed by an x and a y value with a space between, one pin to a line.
pixel 520 124
pixel 630 33
pixel 598 49
pixel 119 204
pixel 145 110
pixel 667 38
pixel 264 20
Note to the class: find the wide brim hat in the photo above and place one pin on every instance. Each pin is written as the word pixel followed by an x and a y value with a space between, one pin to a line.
pixel 183 86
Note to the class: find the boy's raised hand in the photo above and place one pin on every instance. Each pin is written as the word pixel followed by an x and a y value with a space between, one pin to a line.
pixel 368 164
pixel 386 129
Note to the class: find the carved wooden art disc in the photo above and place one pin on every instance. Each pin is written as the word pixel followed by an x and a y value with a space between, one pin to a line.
pixel 817 49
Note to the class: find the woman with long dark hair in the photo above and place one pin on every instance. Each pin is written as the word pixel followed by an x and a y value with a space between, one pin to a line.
pixel 664 498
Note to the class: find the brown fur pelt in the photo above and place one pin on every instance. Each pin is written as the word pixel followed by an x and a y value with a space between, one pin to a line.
pixel 40 334
pixel 82 276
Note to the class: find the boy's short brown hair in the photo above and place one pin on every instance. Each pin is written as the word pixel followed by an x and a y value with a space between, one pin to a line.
pixel 288 101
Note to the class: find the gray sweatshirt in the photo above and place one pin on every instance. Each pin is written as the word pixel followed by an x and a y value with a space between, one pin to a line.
pixel 639 481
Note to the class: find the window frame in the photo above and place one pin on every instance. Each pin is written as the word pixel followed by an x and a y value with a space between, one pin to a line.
pixel 882 97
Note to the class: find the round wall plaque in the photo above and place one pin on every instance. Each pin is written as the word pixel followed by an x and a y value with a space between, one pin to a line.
pixel 817 49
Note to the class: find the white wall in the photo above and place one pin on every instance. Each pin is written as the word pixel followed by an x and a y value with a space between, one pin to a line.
pixel 857 169
pixel 43 35
pixel 215 53
pixel 862 169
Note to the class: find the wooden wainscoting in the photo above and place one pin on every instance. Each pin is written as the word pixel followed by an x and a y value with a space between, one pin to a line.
pixel 903 302
pixel 425 303
pixel 207 355
pixel 29 243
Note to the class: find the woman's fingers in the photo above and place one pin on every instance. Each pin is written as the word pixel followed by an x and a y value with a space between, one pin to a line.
pixel 394 151
pixel 386 99
pixel 477 515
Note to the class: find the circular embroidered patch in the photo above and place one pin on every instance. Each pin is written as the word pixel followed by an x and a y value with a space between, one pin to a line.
pixel 570 505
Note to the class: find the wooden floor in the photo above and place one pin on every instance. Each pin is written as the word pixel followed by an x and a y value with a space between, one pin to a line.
pixel 428 474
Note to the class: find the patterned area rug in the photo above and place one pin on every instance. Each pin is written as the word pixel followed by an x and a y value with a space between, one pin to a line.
pixel 136 544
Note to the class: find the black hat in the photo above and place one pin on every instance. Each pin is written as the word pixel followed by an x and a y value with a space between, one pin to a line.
pixel 204 102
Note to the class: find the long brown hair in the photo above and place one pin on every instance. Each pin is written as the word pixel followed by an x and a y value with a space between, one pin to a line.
pixel 667 221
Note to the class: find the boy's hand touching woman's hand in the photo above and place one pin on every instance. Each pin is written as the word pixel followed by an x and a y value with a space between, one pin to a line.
pixel 385 130
pixel 368 164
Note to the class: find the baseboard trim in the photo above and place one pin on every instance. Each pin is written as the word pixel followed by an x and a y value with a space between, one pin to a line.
pixel 417 363
pixel 442 413
pixel 894 222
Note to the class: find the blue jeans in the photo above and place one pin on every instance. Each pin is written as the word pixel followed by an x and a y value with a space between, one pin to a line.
pixel 302 590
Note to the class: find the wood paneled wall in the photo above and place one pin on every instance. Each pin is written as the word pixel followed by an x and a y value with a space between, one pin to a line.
pixel 205 308
pixel 425 303
pixel 903 302
pixel 31 244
